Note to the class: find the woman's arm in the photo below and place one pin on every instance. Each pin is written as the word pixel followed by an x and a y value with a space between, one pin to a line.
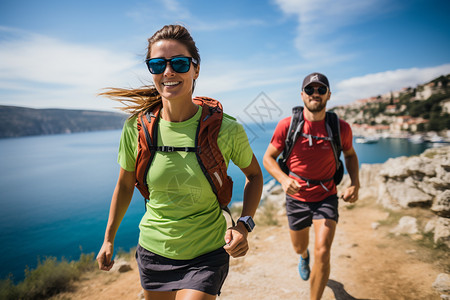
pixel 119 204
pixel 236 237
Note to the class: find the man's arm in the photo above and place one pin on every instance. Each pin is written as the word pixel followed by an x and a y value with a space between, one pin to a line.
pixel 352 165
pixel 290 185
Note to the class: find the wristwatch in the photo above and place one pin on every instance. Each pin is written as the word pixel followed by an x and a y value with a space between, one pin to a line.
pixel 248 222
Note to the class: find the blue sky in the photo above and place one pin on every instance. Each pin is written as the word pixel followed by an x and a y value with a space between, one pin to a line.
pixel 62 53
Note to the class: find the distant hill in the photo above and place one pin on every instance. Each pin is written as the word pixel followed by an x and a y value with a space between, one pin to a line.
pixel 21 121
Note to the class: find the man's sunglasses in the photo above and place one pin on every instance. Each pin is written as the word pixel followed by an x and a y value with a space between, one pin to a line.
pixel 309 90
pixel 179 64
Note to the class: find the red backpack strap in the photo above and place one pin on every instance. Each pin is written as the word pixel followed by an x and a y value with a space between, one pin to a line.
pixel 209 155
pixel 147 125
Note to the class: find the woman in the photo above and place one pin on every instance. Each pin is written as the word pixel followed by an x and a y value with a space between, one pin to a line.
pixel 184 245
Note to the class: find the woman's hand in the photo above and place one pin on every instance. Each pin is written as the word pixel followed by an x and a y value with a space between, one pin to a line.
pixel 105 255
pixel 236 240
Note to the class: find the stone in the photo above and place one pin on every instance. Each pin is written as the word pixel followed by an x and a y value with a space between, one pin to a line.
pixel 375 225
pixel 408 195
pixel 394 168
pixel 441 204
pixel 121 266
pixel 442 231
pixel 429 227
pixel 442 283
pixel 406 225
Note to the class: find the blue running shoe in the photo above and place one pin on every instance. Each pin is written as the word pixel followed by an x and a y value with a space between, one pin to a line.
pixel 303 267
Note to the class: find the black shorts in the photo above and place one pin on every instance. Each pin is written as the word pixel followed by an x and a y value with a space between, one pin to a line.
pixel 205 273
pixel 300 214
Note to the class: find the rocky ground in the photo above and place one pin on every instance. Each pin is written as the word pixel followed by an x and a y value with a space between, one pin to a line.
pixel 377 253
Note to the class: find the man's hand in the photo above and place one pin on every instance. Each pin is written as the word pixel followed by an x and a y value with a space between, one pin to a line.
pixel 351 194
pixel 236 240
pixel 290 185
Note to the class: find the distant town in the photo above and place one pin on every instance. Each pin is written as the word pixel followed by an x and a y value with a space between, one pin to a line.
pixel 421 114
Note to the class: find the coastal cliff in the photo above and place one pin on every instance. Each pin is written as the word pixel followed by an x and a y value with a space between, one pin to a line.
pixel 22 121
pixel 419 185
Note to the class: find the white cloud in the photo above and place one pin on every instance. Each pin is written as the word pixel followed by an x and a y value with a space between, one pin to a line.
pixel 42 59
pixel 372 85
pixel 50 71
pixel 319 22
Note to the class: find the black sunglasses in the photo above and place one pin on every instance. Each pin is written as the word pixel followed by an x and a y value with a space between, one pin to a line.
pixel 179 64
pixel 309 90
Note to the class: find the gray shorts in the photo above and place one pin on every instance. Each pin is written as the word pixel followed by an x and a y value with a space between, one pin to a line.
pixel 205 273
pixel 300 214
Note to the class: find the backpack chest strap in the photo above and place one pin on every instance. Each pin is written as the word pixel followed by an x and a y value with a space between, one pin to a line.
pixel 174 149
pixel 310 182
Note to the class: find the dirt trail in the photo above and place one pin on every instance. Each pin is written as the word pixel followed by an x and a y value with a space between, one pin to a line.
pixel 366 264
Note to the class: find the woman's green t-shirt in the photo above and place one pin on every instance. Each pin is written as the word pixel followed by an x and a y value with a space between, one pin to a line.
pixel 183 218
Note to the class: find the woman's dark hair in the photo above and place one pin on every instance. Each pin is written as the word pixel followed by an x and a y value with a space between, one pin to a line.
pixel 147 97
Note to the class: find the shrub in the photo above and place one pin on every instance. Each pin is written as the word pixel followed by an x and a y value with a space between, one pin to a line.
pixel 48 278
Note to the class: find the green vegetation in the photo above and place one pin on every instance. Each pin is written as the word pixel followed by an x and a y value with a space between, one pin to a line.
pixel 267 214
pixel 49 278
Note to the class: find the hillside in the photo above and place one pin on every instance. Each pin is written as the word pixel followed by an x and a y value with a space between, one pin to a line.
pixel 21 121
pixel 423 108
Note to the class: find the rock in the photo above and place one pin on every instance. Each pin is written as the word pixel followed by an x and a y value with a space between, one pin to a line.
pixel 442 283
pixel 375 225
pixel 421 166
pixel 407 194
pixel 394 168
pixel 406 225
pixel 442 231
pixel 121 266
pixel 429 227
pixel 441 204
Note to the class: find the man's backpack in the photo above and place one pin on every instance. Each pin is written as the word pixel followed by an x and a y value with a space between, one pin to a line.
pixel 334 136
pixel 206 149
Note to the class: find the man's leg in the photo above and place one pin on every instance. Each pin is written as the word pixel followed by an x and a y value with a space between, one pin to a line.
pixel 324 233
pixel 300 240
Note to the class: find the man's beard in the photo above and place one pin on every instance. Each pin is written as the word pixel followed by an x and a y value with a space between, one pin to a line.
pixel 316 107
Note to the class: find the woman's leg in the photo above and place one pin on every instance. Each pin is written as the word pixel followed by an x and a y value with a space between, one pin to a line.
pixel 193 295
pixel 178 295
pixel 153 295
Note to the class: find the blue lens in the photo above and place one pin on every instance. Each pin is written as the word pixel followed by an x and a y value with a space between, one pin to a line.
pixel 178 64
pixel 156 65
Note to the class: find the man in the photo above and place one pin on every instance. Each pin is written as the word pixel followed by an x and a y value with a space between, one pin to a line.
pixel 311 196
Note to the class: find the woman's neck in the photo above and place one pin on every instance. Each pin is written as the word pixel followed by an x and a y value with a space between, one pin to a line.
pixel 178 111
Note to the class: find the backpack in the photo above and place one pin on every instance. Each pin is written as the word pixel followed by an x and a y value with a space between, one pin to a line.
pixel 206 149
pixel 334 136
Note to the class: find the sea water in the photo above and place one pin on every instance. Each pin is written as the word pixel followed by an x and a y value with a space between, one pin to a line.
pixel 55 192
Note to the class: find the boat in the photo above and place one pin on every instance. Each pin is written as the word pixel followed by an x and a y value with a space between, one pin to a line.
pixel 366 140
pixel 416 139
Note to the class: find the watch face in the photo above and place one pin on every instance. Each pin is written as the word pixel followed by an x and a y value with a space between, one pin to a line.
pixel 248 222
pixel 251 222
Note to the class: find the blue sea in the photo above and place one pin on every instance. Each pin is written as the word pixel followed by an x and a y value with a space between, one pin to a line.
pixel 55 192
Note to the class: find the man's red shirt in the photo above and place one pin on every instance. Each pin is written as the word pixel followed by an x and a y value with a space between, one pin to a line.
pixel 314 162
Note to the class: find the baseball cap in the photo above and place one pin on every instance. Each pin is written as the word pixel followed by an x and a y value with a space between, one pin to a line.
pixel 316 77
